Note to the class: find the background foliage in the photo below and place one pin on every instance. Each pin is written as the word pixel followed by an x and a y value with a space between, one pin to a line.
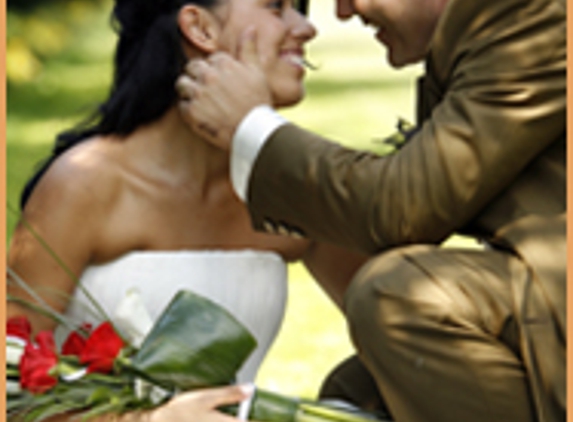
pixel 58 69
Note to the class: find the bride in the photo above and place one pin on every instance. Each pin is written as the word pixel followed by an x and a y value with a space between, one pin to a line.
pixel 134 199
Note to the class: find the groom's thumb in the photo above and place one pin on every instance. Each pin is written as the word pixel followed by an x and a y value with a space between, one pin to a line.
pixel 248 53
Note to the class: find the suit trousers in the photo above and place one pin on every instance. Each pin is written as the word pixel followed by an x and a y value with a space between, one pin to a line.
pixel 437 329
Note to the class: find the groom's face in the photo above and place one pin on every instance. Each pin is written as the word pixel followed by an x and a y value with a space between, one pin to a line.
pixel 404 27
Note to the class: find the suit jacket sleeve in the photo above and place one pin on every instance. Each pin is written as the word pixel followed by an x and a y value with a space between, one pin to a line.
pixel 499 71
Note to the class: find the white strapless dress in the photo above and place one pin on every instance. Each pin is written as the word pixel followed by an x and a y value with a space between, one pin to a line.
pixel 250 284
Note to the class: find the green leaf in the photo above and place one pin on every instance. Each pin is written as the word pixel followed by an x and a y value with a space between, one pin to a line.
pixel 115 405
pixel 313 411
pixel 99 395
pixel 12 372
pixel 272 407
pixel 52 409
pixel 85 390
pixel 117 380
pixel 36 400
pixel 195 343
pixel 64 368
pixel 21 401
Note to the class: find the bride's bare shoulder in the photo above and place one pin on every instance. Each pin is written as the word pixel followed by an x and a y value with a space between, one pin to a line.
pixel 86 175
pixel 72 202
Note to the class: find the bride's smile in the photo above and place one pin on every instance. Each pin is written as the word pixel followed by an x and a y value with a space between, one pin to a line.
pixel 282 35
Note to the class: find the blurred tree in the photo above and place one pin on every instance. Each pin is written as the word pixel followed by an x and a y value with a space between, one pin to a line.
pixel 40 29
pixel 28 5
pixel 21 4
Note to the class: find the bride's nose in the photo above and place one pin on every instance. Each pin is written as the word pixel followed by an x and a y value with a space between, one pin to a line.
pixel 300 26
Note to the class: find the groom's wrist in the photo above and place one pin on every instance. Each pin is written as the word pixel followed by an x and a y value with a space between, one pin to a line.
pixel 251 134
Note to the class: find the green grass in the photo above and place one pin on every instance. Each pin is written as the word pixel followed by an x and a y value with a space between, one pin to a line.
pixel 354 98
pixel 312 340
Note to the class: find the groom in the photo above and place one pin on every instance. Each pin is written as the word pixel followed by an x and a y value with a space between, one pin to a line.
pixel 448 334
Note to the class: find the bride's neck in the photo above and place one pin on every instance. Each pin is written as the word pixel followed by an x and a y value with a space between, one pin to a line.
pixel 170 144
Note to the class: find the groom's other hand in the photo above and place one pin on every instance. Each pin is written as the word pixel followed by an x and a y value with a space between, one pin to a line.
pixel 210 99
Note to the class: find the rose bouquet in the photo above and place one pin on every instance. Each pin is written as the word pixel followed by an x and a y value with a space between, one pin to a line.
pixel 194 344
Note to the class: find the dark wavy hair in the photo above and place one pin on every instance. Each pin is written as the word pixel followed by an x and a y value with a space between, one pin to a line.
pixel 148 59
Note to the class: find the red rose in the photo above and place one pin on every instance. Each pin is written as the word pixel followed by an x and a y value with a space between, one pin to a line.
pixel 37 362
pixel 20 327
pixel 76 342
pixel 101 349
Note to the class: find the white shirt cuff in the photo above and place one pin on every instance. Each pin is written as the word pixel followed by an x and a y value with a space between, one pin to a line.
pixel 249 138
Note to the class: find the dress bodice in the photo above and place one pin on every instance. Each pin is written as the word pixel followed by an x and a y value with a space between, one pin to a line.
pixel 250 284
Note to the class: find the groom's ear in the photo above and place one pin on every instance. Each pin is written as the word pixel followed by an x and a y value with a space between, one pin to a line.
pixel 199 27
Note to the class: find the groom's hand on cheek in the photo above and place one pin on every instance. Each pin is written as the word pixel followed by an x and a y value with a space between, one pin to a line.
pixel 216 93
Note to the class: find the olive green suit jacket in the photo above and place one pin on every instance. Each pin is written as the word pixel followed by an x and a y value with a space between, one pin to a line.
pixel 488 160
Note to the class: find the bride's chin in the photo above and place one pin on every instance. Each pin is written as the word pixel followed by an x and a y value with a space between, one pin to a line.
pixel 287 100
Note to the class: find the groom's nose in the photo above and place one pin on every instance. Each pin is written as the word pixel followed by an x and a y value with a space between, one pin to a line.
pixel 344 9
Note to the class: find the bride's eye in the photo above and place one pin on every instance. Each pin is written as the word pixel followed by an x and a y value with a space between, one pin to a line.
pixel 277 6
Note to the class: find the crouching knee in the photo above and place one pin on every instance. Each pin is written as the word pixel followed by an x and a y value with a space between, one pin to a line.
pixel 388 293
pixel 368 298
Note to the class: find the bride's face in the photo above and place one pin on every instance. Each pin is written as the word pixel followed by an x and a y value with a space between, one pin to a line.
pixel 282 33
